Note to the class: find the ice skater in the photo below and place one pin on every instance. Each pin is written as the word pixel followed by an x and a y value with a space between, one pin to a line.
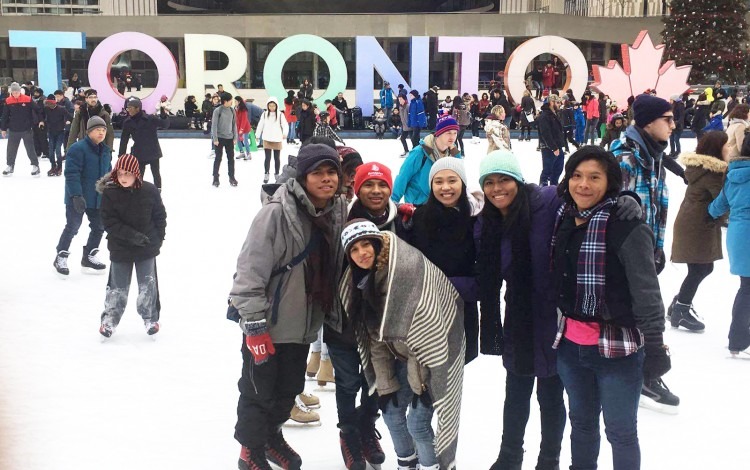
pixel 143 128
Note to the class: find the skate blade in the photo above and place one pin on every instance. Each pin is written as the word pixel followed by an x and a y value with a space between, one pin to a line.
pixel 62 276
pixel 375 466
pixel 92 271
pixel 745 355
pixel 653 405
pixel 295 424
pixel 688 330
pixel 326 387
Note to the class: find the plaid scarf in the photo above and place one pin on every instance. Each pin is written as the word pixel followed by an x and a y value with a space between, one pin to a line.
pixel 592 263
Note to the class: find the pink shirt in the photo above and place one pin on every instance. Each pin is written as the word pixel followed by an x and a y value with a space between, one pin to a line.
pixel 582 333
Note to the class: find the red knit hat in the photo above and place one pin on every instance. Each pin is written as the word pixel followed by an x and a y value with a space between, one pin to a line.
pixel 127 163
pixel 372 171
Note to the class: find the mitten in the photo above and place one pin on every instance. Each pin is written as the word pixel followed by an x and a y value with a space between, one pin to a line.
pixel 140 239
pixel 383 401
pixel 406 211
pixel 657 361
pixel 79 204
pixel 258 341
pixel 628 208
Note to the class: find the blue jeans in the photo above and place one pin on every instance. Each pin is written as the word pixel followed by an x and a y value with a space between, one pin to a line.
pixel 350 381
pixel 592 130
pixel 56 140
pixel 739 330
pixel 674 142
pixel 412 431
pixel 552 167
pixel 243 143
pixel 292 132
pixel 73 222
pixel 596 384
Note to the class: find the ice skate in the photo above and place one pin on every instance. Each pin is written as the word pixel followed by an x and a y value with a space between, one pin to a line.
pixel 106 329
pixel 302 416
pixel 90 264
pixel 408 463
pixel 370 438
pixel 8 171
pixel 325 373
pixel 52 171
pixel 275 177
pixel 685 316
pixel 266 177
pixel 351 448
pixel 313 364
pixel 309 400
pixel 232 181
pixel 240 156
pixel 216 182
pixel 61 264
pixel 656 396
pixel 253 459
pixel 151 327
pixel 35 170
pixel 280 453
pixel 58 170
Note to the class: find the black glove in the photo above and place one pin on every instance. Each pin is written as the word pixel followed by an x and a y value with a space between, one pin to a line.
pixel 140 239
pixel 657 361
pixel 628 208
pixel 424 398
pixel 232 313
pixel 660 260
pixel 383 401
pixel 79 204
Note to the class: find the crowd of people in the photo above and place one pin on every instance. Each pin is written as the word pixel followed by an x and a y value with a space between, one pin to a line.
pixel 398 283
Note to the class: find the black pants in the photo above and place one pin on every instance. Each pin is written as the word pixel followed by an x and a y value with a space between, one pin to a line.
pixel 431 121
pixel 471 330
pixel 350 382
pixel 228 145
pixel 696 274
pixel 154 171
pixel 516 411
pixel 415 136
pixel 475 127
pixel 41 145
pixel 276 160
pixel 14 139
pixel 739 330
pixel 405 135
pixel 460 139
pixel 267 392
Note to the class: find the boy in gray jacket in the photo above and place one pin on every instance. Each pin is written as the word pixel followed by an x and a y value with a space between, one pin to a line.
pixel 284 288
pixel 224 135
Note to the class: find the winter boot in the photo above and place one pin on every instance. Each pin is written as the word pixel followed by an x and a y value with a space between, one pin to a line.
pixel 313 364
pixel 90 263
pixel 35 170
pixel 508 460
pixel 216 182
pixel 152 327
pixel 325 373
pixel 232 181
pixel 309 400
pixel 656 396
pixel 302 416
pixel 351 448
pixel 685 316
pixel 280 453
pixel 370 438
pixel 8 171
pixel 407 463
pixel 61 263
pixel 266 177
pixel 253 459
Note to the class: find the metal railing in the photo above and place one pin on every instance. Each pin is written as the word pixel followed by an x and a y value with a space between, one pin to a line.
pixel 588 8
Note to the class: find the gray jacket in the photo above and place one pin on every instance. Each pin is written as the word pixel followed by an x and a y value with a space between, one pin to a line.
pixel 224 124
pixel 280 231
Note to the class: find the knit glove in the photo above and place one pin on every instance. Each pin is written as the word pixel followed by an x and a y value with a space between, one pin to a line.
pixel 140 239
pixel 660 260
pixel 628 208
pixel 79 204
pixel 424 399
pixel 258 341
pixel 657 361
pixel 384 400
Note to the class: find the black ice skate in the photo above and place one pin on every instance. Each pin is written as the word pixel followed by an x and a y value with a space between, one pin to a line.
pixel 685 316
pixel 216 182
pixel 232 181
pixel 351 448
pixel 61 264
pixel 253 459
pixel 655 395
pixel 408 463
pixel 90 264
pixel 370 438
pixel 281 454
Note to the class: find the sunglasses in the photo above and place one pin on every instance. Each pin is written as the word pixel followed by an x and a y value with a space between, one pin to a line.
pixel 669 119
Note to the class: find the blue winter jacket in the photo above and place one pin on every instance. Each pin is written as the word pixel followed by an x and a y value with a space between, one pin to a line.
pixel 413 179
pixel 417 117
pixel 580 118
pixel 85 163
pixel 735 198
pixel 386 98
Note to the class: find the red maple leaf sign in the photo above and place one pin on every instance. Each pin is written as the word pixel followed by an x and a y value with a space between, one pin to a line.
pixel 642 71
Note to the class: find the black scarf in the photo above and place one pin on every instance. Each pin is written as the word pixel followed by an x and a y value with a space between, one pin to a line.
pixel 358 211
pixel 655 149
pixel 519 325
pixel 321 282
pixel 88 112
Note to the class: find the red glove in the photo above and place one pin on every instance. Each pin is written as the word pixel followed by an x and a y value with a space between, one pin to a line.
pixel 258 341
pixel 406 210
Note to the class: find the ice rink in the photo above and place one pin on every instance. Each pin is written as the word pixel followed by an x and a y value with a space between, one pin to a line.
pixel 71 401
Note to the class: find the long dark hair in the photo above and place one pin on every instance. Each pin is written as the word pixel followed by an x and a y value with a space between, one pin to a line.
pixel 240 102
pixel 606 159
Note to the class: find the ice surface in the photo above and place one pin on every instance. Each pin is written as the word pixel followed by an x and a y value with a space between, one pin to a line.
pixel 68 400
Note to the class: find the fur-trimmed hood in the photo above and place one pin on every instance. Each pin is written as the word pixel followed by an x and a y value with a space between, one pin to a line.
pixel 706 162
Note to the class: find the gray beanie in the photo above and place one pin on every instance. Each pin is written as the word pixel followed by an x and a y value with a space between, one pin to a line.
pixel 94 122
pixel 15 87
pixel 449 163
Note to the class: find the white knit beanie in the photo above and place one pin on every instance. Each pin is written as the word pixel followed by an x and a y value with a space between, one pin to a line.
pixel 357 229
pixel 449 163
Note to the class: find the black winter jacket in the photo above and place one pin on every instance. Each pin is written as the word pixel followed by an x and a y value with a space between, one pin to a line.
pixel 678 109
pixel 551 134
pixel 126 211
pixel 143 128
pixel 306 123
pixel 55 118
pixel 19 114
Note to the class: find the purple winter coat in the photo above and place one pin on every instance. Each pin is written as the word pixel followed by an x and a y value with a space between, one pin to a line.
pixel 543 203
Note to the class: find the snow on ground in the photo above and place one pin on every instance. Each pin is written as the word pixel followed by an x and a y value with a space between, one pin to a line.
pixel 68 400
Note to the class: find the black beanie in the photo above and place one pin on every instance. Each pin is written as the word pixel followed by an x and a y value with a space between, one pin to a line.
pixel 311 156
pixel 647 109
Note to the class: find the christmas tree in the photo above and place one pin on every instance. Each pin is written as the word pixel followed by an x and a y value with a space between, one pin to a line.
pixel 710 35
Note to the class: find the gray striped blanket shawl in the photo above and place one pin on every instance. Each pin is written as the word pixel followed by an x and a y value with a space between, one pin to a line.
pixel 423 310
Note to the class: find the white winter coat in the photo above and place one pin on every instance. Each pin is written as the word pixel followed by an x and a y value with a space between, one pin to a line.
pixel 273 126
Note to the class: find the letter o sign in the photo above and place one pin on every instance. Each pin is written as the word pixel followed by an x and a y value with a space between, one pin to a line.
pixel 107 51
pixel 515 69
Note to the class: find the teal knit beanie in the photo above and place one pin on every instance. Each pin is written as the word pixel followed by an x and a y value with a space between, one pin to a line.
pixel 500 162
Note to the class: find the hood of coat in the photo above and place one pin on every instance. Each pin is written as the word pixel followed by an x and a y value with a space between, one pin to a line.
pixel 739 170
pixel 706 162
pixel 272 99
pixel 384 257
pixel 428 143
pixel 392 211
pixel 102 182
